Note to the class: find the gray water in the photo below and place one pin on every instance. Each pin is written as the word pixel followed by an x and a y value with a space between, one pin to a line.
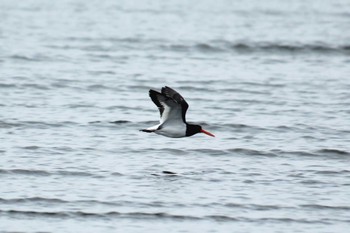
pixel 269 78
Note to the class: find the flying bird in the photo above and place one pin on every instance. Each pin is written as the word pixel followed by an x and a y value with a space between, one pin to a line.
pixel 172 107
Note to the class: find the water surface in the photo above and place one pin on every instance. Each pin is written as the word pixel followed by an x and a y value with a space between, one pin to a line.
pixel 269 79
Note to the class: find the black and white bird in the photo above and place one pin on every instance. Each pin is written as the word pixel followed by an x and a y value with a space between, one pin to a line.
pixel 172 107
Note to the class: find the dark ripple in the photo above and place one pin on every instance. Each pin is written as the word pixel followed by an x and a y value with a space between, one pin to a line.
pixel 213 46
pixel 235 127
pixel 240 151
pixel 5 125
pixel 38 200
pixel 24 172
pixel 248 91
pixel 332 152
pixel 111 214
pixel 31 200
pixel 345 172
pixel 214 152
pixel 77 173
pixel 271 153
pixel 157 216
pixel 252 152
pixel 33 172
pixel 30 147
pixel 293 153
pixel 329 153
pixel 34 58
pixel 80 106
pixel 134 126
pixel 36 124
pixel 320 207
pixel 210 151
pixel 57 201
pixel 256 206
pixel 96 87
pixel 8 85
pixel 102 72
pixel 285 48
pixel 222 46
pixel 34 86
pixel 174 151
pixel 312 182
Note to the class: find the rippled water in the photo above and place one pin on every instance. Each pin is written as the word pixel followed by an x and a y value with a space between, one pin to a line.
pixel 269 78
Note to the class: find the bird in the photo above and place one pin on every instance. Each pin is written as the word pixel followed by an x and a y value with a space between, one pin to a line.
pixel 172 107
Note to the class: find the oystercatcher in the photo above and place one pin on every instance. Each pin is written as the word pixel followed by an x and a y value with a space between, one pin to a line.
pixel 172 107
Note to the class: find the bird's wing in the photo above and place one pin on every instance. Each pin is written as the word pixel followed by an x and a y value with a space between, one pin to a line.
pixel 172 106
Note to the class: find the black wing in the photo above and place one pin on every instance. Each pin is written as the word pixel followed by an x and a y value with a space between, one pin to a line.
pixel 169 100
pixel 175 96
pixel 156 97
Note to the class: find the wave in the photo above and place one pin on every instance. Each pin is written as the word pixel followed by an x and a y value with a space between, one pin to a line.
pixel 320 207
pixel 337 172
pixel 313 153
pixel 234 127
pixel 80 214
pixel 332 152
pixel 31 200
pixel 225 152
pixel 253 47
pixel 33 172
pixel 8 85
pixel 35 58
pixel 213 152
pixel 158 216
pixel 38 200
pixel 24 172
pixel 250 152
pixel 36 124
pixel 34 86
pixel 254 152
pixel 211 46
pixel 5 125
pixel 259 207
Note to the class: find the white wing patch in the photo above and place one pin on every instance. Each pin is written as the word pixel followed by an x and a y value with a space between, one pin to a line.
pixel 172 112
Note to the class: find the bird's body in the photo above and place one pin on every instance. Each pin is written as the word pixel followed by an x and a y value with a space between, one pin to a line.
pixel 172 107
pixel 169 130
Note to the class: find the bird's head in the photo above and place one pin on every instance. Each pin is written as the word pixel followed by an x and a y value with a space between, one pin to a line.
pixel 194 129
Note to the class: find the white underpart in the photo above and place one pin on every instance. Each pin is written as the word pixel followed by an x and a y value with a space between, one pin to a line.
pixel 172 129
pixel 171 122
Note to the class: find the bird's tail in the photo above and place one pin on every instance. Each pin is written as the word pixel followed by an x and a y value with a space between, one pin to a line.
pixel 150 129
pixel 147 130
